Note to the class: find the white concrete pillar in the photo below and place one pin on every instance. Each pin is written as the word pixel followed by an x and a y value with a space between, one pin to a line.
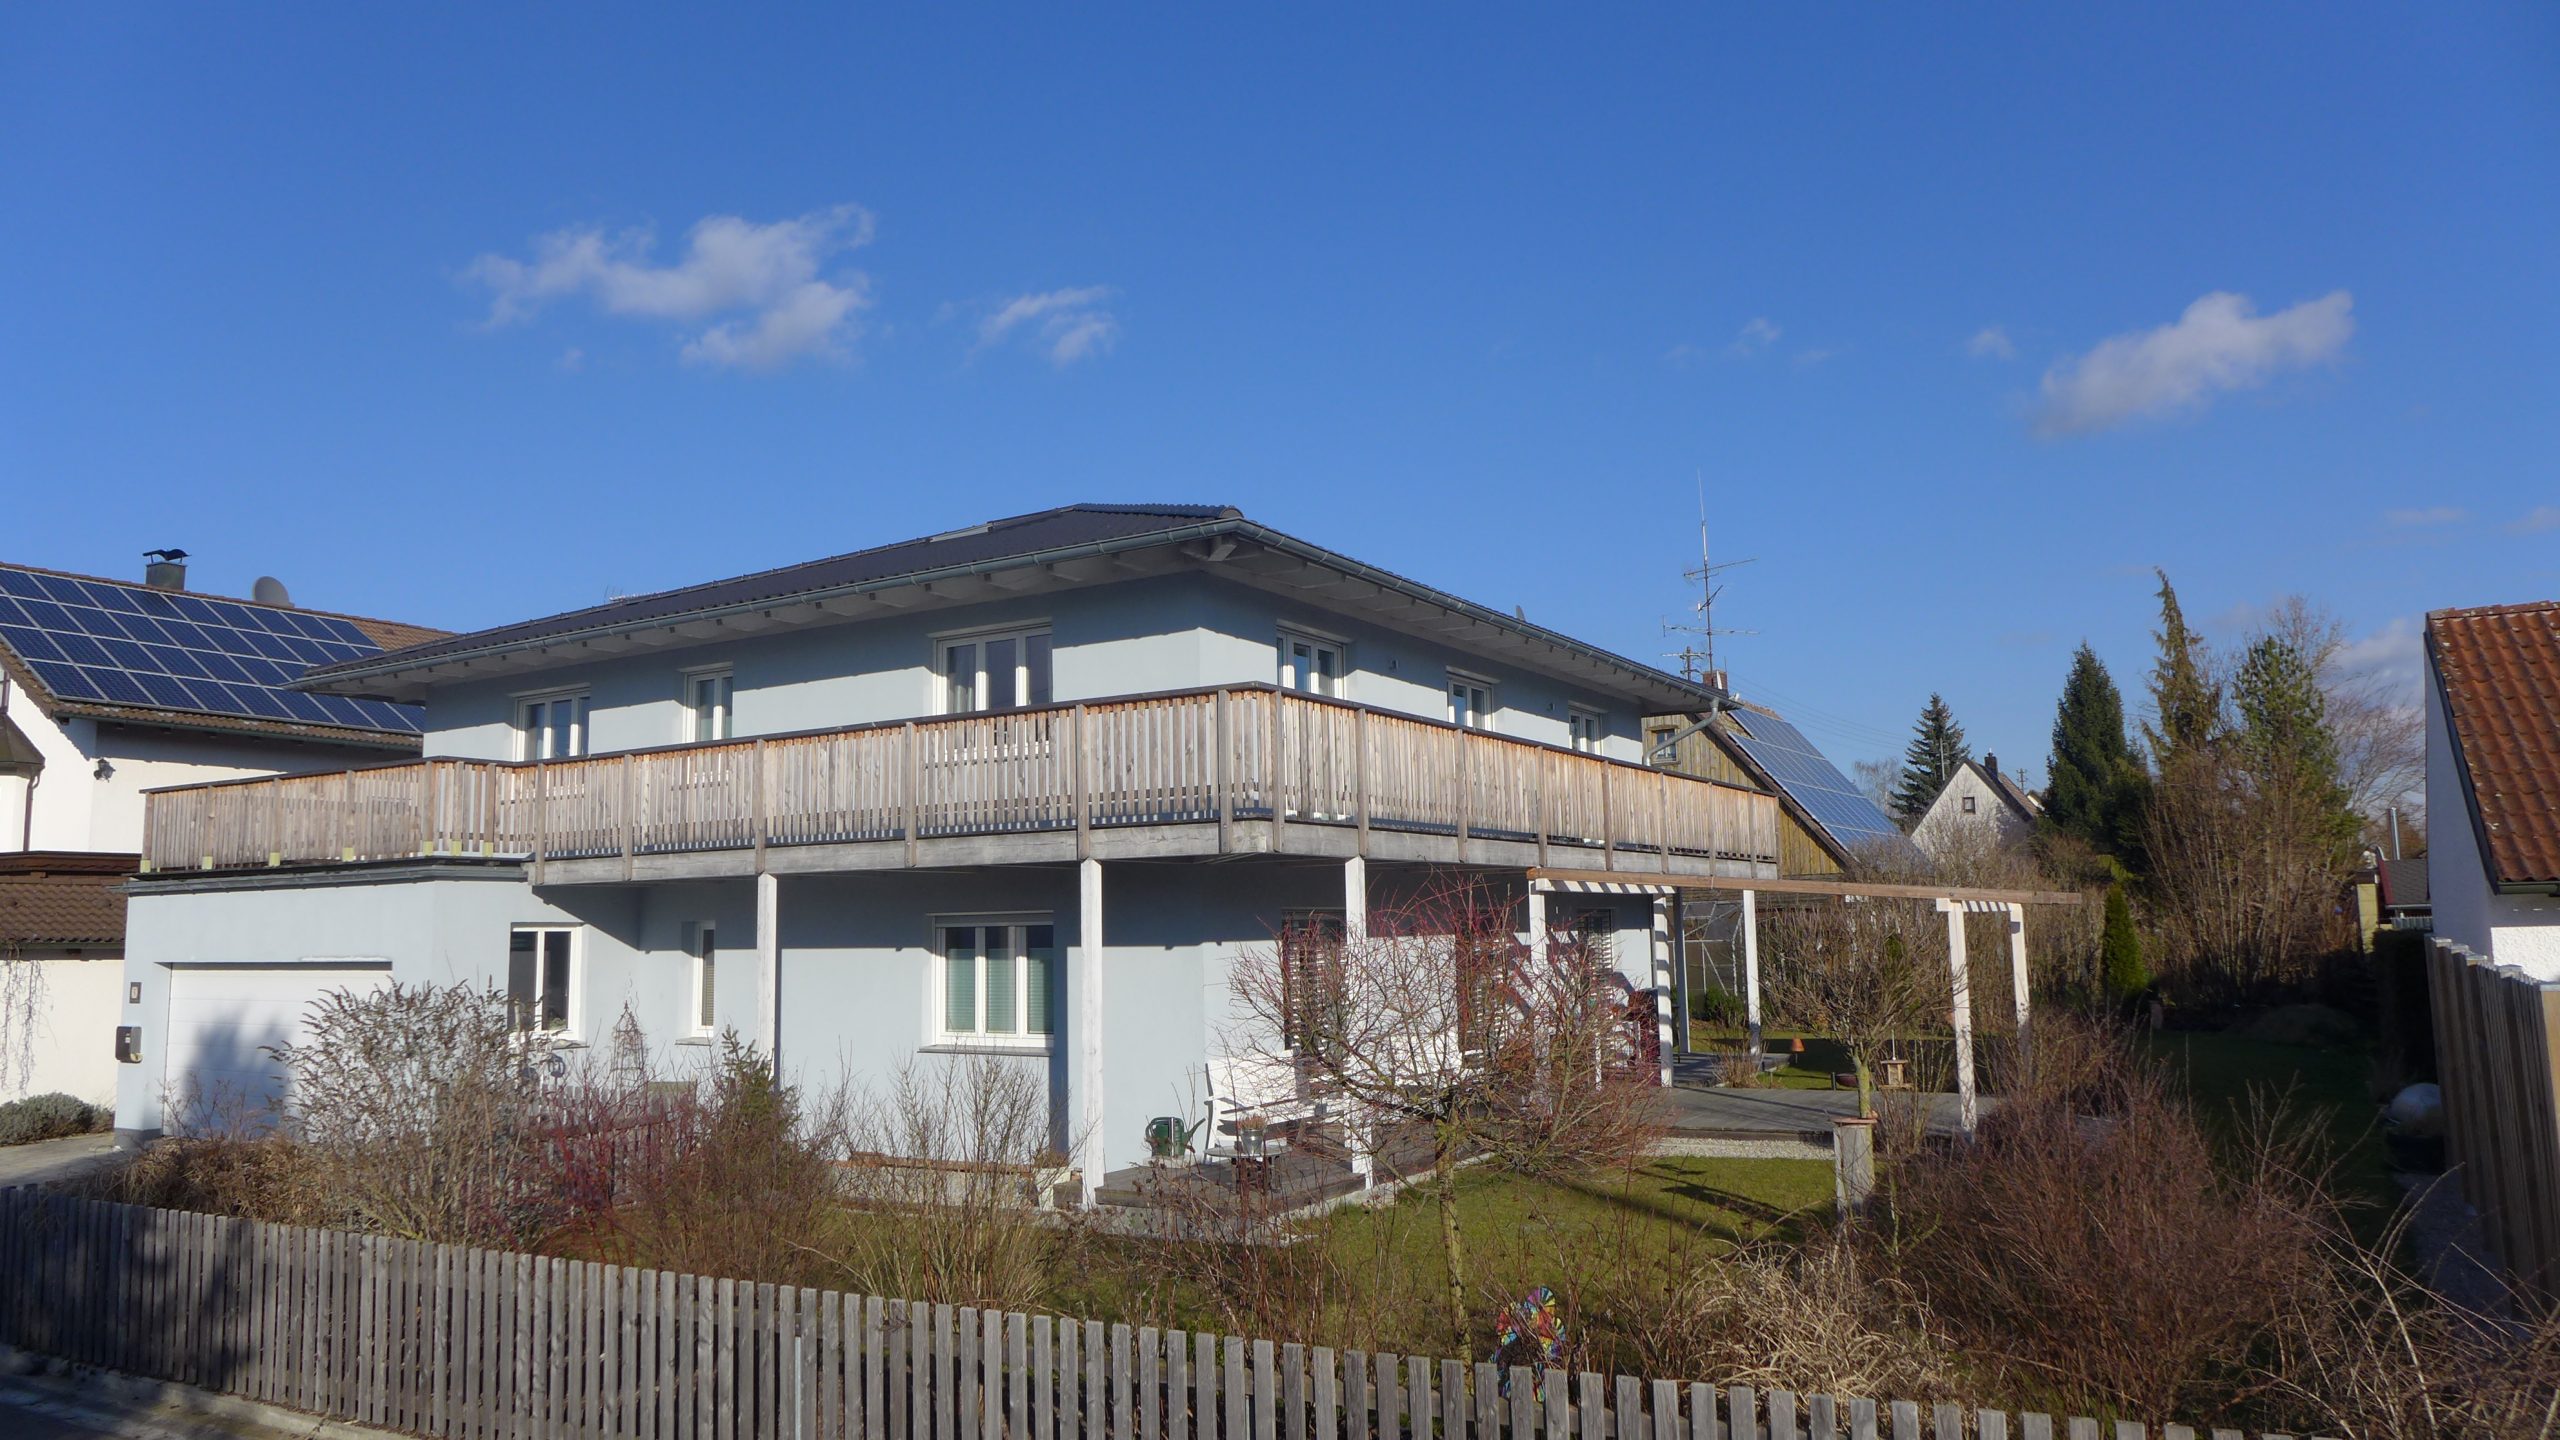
pixel 1960 974
pixel 1355 900
pixel 2018 970
pixel 1085 1115
pixel 1751 965
pixel 1663 990
pixel 769 966
pixel 1538 924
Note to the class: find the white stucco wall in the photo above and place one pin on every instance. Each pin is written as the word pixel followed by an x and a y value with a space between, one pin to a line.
pixel 62 1018
pixel 1945 828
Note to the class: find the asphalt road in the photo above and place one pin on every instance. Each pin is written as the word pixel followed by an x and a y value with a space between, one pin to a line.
pixel 34 1411
pixel 54 1159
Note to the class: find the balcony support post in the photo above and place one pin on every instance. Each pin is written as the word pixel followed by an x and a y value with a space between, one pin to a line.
pixel 427 808
pixel 1355 900
pixel 622 820
pixel 769 965
pixel 1360 786
pixel 915 785
pixel 1751 967
pixel 1082 798
pixel 1662 819
pixel 1608 819
pixel 1222 776
pixel 1276 708
pixel 1466 795
pixel 1084 1032
pixel 1538 923
pixel 1662 988
pixel 762 805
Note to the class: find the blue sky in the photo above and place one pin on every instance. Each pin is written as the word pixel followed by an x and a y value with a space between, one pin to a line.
pixel 1966 317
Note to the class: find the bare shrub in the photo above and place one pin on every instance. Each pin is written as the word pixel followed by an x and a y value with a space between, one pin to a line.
pixel 256 1177
pixel 944 1178
pixel 1868 973
pixel 411 1103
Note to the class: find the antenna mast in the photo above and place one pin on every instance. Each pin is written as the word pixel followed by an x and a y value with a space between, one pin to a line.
pixel 1697 655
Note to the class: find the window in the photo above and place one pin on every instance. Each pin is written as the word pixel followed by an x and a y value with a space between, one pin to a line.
pixel 706 704
pixel 552 727
pixel 1470 701
pixel 1310 978
pixel 998 980
pixel 1000 670
pixel 1968 804
pixel 541 977
pixel 1585 726
pixel 1310 665
pixel 1599 932
pixel 702 947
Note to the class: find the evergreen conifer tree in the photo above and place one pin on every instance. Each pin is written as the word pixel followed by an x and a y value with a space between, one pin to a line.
pixel 2096 790
pixel 1937 750
pixel 2120 966
pixel 2185 698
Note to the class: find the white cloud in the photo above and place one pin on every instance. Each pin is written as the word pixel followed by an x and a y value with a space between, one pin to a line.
pixel 1991 343
pixel 1757 334
pixel 759 283
pixel 2390 656
pixel 1066 325
pixel 2221 343
pixel 2425 518
pixel 2535 521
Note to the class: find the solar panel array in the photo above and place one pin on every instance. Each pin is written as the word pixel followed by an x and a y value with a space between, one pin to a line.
pixel 101 643
pixel 1813 782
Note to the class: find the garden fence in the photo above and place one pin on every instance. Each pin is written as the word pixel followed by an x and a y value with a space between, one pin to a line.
pixel 2498 1062
pixel 451 1341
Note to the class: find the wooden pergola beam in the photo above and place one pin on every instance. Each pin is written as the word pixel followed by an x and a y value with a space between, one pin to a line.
pixel 1959 893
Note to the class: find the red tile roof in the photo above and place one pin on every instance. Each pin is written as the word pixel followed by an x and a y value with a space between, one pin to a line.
pixel 54 899
pixel 2499 667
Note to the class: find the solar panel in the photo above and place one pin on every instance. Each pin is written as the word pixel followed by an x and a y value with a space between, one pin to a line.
pixel 94 641
pixel 1813 782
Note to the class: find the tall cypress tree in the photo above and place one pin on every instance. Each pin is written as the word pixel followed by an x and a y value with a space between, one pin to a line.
pixel 2096 793
pixel 2186 700
pixel 1937 750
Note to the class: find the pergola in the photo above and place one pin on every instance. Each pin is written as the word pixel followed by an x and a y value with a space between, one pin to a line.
pixel 1671 980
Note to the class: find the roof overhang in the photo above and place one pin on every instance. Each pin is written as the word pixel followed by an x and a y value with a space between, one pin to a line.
pixel 1228 546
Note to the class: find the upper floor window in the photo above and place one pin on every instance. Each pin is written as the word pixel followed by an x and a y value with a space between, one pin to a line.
pixel 1586 726
pixel 1470 701
pixel 995 670
pixel 706 703
pixel 552 727
pixel 542 977
pixel 997 978
pixel 1310 665
pixel 1968 804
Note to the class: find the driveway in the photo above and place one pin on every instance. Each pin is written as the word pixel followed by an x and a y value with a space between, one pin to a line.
pixel 55 1159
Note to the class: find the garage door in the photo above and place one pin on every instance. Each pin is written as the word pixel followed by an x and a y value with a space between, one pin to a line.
pixel 221 1017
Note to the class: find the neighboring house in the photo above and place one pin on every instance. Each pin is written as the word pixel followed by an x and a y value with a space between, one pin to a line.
pixel 1980 807
pixel 1829 827
pixel 2493 782
pixel 61 971
pixel 1024 789
pixel 2404 902
pixel 109 688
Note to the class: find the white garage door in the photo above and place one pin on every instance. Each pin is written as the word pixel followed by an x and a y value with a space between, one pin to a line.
pixel 221 1017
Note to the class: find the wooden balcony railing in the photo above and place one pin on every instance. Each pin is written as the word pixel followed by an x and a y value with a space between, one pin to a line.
pixel 1214 756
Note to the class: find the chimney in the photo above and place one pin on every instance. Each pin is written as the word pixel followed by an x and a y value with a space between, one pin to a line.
pixel 167 570
pixel 1991 763
pixel 1715 680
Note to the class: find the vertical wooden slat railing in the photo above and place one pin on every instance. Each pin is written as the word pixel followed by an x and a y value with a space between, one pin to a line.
pixel 467 1344
pixel 1204 757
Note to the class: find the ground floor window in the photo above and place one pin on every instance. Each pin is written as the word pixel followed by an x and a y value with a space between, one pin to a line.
pixel 998 978
pixel 1311 980
pixel 542 976
pixel 702 951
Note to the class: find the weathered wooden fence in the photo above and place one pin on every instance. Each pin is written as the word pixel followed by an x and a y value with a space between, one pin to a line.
pixel 450 1341
pixel 2498 1062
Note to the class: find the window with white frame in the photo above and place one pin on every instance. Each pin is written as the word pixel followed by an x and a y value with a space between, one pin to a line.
pixel 706 705
pixel 542 978
pixel 552 727
pixel 1470 701
pixel 994 670
pixel 1968 804
pixel 702 959
pixel 1310 664
pixel 998 978
pixel 1586 726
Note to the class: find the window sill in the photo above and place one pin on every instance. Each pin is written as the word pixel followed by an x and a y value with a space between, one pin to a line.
pixel 985 1047
pixel 693 1039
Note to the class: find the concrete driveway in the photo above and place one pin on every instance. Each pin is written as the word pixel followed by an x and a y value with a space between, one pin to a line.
pixel 55 1159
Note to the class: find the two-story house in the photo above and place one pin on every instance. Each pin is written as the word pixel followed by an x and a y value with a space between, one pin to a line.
pixel 109 688
pixel 1026 788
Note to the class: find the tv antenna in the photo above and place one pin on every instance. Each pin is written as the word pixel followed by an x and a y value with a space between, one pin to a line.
pixel 1697 654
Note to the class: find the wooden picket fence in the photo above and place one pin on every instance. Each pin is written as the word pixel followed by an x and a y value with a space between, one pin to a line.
pixel 2498 1058
pixel 450 1341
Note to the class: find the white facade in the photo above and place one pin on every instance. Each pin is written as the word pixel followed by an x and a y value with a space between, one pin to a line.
pixel 62 1015
pixel 2522 930
pixel 1971 814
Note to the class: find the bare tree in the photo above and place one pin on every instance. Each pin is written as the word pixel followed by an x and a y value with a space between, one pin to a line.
pixel 1865 972
pixel 1442 1020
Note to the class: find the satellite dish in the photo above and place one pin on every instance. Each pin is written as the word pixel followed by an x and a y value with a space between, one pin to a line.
pixel 270 591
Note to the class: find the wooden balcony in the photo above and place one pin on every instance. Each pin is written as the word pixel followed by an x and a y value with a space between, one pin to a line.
pixel 1239 770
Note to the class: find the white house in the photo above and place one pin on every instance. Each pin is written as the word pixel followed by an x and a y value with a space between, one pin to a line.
pixel 2493 782
pixel 1025 789
pixel 1981 806
pixel 107 689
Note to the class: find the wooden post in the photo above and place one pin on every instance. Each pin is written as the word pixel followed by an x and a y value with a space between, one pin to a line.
pixel 1608 818
pixel 1961 979
pixel 622 814
pixel 427 807
pixel 759 806
pixel 1546 782
pixel 1853 1163
pixel 1222 776
pixel 1662 818
pixel 1466 795
pixel 915 787
pixel 1360 773
pixel 347 816
pixel 1751 967
pixel 1082 799
pixel 541 819
pixel 1275 755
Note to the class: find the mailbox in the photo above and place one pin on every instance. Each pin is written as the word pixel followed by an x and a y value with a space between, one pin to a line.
pixel 129 1044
